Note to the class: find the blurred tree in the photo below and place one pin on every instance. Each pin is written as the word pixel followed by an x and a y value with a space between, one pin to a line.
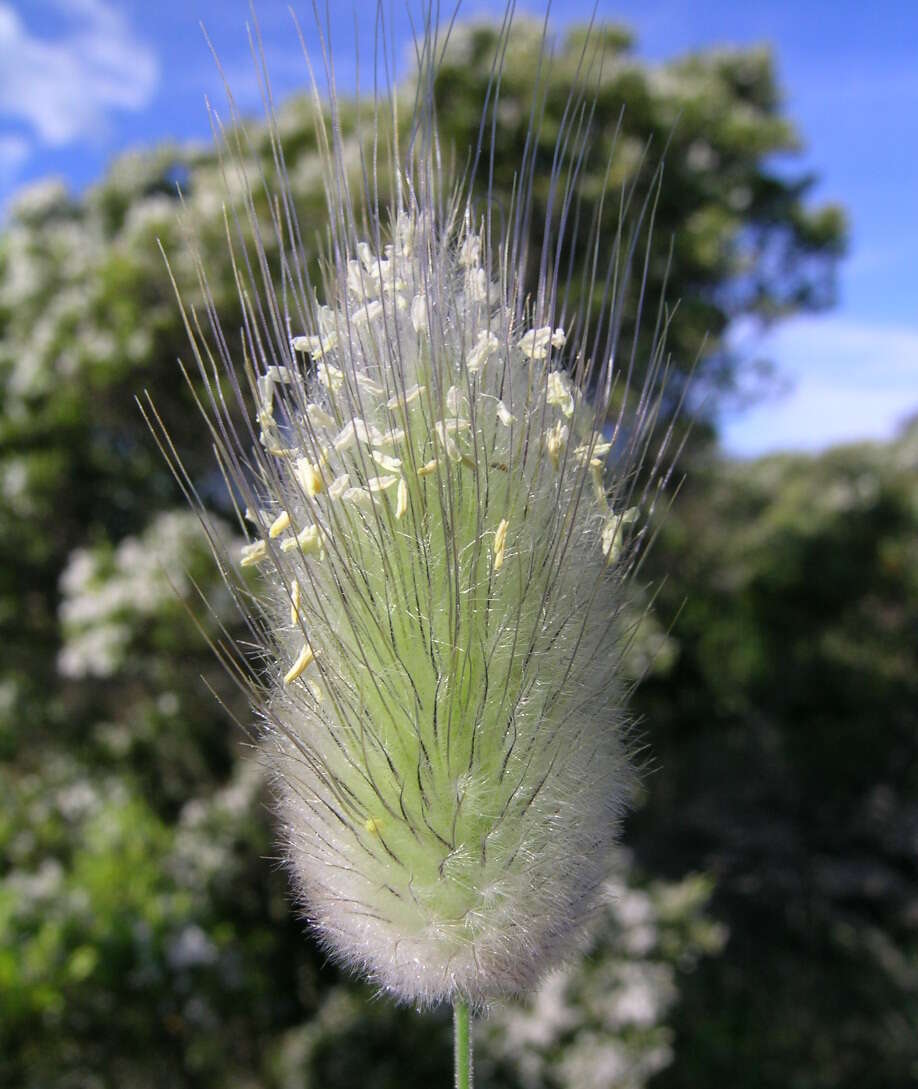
pixel 144 939
pixel 787 739
pixel 732 235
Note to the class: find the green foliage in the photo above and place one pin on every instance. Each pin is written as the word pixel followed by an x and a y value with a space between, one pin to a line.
pixel 135 950
pixel 789 763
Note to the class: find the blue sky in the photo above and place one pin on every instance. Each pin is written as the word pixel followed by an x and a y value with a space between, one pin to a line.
pixel 81 80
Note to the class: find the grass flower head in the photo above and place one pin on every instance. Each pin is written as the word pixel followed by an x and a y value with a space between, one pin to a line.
pixel 443 520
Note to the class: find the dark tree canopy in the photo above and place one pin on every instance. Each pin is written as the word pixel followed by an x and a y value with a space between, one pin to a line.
pixel 787 738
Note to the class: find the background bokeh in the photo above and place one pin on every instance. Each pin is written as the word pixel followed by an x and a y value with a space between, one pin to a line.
pixel 761 928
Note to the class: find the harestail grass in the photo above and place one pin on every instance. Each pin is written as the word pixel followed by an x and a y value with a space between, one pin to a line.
pixel 445 514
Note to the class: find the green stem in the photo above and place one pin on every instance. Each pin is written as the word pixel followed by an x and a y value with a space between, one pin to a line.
pixel 463 1048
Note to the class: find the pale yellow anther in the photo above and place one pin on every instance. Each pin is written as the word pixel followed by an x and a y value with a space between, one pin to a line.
pixel 309 477
pixel 477 282
pixel 368 384
pixel 318 417
pixel 392 437
pixel 401 400
pixel 355 431
pixel 419 313
pixel 500 543
pixel 555 442
pixel 560 392
pixel 535 343
pixel 266 383
pixel 445 429
pixel 454 400
pixel 455 424
pixel 401 503
pixel 330 377
pixel 269 434
pixel 326 319
pixel 318 346
pixel 470 251
pixel 486 345
pixel 278 451
pixel 387 462
pixel 597 470
pixel 360 497
pixel 364 315
pixel 404 234
pixel 613 533
pixel 358 283
pixel 452 450
pixel 428 468
pixel 280 523
pixel 589 451
pixel 303 661
pixel 346 437
pixel 253 553
pixel 294 602
pixel 381 483
pixel 339 486
pixel 373 825
pixel 308 540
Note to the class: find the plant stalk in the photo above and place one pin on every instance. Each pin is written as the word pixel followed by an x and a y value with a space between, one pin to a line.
pixel 463 1044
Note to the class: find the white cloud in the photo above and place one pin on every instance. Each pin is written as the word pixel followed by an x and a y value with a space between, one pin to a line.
pixel 63 89
pixel 851 380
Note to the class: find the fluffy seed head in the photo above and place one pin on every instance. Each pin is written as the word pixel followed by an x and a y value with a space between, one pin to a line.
pixel 441 550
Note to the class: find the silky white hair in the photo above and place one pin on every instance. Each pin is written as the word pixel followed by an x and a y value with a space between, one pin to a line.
pixel 444 524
